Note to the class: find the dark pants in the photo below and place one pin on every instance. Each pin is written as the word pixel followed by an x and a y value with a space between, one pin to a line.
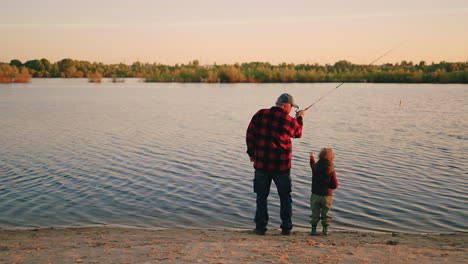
pixel 262 183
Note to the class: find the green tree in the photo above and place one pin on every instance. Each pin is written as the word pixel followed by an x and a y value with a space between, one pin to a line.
pixel 16 63
pixel 65 64
pixel 36 67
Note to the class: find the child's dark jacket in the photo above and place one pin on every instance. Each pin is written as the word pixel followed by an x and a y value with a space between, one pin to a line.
pixel 324 179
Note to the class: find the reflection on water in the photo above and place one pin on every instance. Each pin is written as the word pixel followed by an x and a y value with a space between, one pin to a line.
pixel 173 155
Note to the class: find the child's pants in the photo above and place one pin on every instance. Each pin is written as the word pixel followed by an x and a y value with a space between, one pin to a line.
pixel 320 206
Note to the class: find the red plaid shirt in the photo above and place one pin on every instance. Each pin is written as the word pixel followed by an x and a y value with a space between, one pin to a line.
pixel 269 138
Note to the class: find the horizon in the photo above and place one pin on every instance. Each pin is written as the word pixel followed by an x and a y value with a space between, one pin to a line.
pixel 214 32
pixel 378 63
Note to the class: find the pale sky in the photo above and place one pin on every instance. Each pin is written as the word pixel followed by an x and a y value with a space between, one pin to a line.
pixel 218 31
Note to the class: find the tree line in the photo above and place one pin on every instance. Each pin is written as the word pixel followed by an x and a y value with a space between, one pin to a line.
pixel 253 72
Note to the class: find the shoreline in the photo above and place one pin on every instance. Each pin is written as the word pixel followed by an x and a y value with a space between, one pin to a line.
pixel 297 228
pixel 122 244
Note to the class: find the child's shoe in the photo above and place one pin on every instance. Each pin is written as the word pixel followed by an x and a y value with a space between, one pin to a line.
pixel 313 232
pixel 325 231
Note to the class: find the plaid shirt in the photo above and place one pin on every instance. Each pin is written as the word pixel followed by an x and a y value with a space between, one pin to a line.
pixel 269 138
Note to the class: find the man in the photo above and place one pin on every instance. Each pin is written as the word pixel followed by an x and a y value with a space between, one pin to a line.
pixel 269 147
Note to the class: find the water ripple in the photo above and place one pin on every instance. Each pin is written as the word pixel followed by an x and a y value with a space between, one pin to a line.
pixel 114 156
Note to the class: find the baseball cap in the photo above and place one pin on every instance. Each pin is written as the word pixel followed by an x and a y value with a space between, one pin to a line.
pixel 287 99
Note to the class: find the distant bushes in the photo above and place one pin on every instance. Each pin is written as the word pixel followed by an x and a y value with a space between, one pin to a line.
pixel 342 71
pixel 95 77
pixel 11 74
pixel 253 72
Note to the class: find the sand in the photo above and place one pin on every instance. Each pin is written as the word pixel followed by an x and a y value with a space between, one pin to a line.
pixel 108 244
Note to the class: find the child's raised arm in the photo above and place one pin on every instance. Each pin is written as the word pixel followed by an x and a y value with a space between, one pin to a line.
pixel 312 160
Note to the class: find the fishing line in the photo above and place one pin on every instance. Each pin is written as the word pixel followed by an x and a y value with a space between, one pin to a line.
pixel 339 85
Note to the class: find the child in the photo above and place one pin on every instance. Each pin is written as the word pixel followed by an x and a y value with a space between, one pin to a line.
pixel 324 181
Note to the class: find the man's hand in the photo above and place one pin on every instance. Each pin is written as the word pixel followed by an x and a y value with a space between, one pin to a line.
pixel 301 113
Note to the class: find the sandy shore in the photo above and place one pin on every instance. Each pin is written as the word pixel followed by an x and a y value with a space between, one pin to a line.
pixel 132 245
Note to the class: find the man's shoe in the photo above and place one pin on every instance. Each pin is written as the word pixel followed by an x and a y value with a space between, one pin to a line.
pixel 259 232
pixel 286 232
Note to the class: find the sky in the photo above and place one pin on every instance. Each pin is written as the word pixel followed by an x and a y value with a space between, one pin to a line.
pixel 218 31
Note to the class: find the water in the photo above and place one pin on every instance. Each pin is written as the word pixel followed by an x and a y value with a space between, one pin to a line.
pixel 173 155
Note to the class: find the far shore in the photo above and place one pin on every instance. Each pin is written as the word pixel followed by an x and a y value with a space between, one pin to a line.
pixel 113 244
pixel 94 80
pixel 246 72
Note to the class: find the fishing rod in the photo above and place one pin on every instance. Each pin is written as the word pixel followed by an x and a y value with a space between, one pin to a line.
pixel 339 85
